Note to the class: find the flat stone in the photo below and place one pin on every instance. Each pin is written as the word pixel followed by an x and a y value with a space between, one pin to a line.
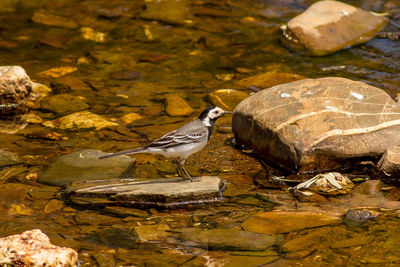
pixel 64 104
pixel 389 165
pixel 317 124
pixel 227 239
pixel 176 106
pixel 33 248
pixel 351 242
pixel 80 120
pixel 8 158
pixel 85 165
pixel 15 88
pixel 328 26
pixel 169 193
pixel 54 20
pixel 276 222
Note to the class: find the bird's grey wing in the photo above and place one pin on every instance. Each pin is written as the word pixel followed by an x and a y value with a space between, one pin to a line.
pixel 192 132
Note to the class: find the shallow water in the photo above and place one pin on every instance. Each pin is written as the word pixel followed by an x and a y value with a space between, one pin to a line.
pixel 220 43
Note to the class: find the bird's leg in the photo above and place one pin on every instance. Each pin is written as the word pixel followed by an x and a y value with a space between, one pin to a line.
pixel 181 163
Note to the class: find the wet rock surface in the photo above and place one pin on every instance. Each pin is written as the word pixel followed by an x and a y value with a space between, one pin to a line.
pixel 168 193
pixel 33 248
pixel 317 123
pixel 354 218
pixel 327 26
pixel 177 106
pixel 85 165
pixel 227 239
pixel 48 19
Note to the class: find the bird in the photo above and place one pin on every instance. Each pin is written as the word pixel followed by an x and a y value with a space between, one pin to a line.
pixel 182 142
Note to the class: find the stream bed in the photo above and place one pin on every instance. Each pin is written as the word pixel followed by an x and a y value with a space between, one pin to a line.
pixel 121 57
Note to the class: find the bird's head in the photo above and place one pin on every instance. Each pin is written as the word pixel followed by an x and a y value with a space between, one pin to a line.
pixel 211 114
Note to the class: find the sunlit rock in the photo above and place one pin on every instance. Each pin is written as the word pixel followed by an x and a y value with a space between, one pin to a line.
pixel 176 106
pixel 64 104
pixel 48 19
pixel 33 248
pixel 227 239
pixel 85 165
pixel 80 120
pixel 92 35
pixel 276 222
pixel 318 123
pixel 328 26
pixel 268 79
pixel 15 89
pixel 226 99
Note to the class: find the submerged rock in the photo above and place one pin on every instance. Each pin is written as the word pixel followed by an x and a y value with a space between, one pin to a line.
pixel 176 106
pixel 15 90
pixel 318 123
pixel 227 99
pixel 8 158
pixel 276 222
pixel 48 19
pixel 227 239
pixel 80 120
pixel 354 218
pixel 152 232
pixel 170 193
pixel 328 26
pixel 170 11
pixel 389 165
pixel 33 248
pixel 85 165
pixel 268 79
pixel 64 104
pixel 114 238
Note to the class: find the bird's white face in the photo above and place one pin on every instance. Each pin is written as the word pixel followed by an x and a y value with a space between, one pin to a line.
pixel 215 113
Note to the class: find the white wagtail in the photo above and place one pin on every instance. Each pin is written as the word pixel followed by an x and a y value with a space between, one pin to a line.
pixel 184 141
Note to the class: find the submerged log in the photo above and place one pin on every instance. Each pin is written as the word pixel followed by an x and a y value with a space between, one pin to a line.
pixel 167 193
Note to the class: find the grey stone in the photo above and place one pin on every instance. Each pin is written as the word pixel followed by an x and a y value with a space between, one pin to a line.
pixel 327 26
pixel 227 239
pixel 84 165
pixel 64 104
pixel 170 193
pixel 318 123
pixel 8 158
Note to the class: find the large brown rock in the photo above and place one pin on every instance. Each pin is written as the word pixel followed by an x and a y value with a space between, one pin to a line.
pixel 15 87
pixel 318 123
pixel 328 26
pixel 33 248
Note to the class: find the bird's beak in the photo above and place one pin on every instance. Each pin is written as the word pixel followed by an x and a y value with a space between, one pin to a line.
pixel 228 112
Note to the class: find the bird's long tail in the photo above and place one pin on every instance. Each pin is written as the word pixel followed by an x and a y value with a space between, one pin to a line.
pixel 126 152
